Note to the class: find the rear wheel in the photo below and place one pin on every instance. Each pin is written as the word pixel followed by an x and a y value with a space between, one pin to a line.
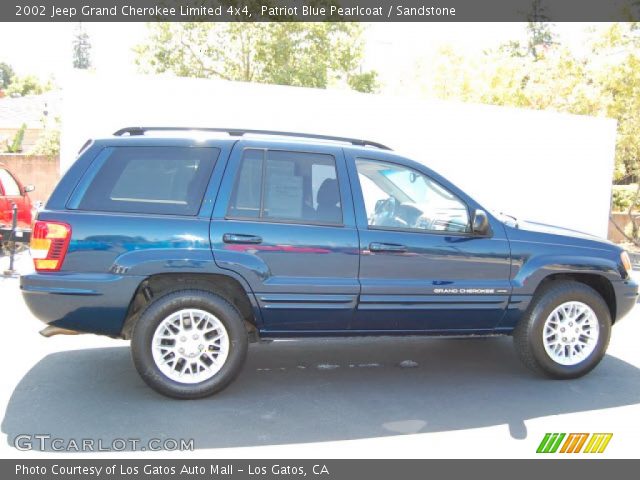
pixel 189 344
pixel 565 332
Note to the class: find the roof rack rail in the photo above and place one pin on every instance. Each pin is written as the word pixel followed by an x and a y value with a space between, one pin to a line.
pixel 238 132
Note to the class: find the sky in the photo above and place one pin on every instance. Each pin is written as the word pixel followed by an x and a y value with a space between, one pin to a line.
pixel 392 48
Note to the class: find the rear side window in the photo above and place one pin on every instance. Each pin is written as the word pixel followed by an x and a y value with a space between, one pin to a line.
pixel 287 186
pixel 154 180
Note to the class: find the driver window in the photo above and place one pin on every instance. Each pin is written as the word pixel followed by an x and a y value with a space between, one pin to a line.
pixel 400 197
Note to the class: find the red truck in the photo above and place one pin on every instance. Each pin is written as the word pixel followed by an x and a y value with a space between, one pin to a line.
pixel 12 191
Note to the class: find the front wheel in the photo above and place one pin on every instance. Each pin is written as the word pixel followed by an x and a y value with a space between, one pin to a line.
pixel 565 332
pixel 189 344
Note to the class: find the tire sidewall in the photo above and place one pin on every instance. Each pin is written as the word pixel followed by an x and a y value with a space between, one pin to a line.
pixel 551 300
pixel 144 330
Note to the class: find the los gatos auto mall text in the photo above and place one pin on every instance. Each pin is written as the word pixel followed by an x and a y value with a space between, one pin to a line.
pixel 154 470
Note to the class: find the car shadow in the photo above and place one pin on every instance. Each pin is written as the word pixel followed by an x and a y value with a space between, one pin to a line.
pixel 311 391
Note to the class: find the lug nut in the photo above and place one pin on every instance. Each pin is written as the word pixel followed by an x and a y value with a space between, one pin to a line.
pixel 195 336
pixel 183 339
pixel 562 329
pixel 564 339
pixel 181 350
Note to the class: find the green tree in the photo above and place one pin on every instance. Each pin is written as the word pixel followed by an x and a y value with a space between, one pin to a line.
pixel 619 79
pixel 316 55
pixel 540 34
pixel 6 74
pixel 605 82
pixel 27 85
pixel 81 49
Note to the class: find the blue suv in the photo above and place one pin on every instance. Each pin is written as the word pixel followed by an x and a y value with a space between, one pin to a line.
pixel 194 242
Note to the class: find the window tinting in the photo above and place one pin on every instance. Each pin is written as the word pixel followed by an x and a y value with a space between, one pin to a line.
pixel 282 185
pixel 155 180
pixel 246 196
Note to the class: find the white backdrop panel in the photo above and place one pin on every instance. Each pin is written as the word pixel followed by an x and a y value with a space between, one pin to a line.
pixel 542 166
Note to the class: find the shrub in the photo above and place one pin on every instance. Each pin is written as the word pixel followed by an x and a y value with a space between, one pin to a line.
pixel 16 144
pixel 48 143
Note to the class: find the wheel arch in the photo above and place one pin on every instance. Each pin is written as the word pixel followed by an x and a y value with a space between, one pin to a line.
pixel 228 287
pixel 601 284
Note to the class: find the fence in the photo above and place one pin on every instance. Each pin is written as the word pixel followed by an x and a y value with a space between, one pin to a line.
pixel 41 171
pixel 622 221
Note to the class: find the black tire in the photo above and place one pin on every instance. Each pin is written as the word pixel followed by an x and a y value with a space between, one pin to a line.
pixel 529 332
pixel 161 308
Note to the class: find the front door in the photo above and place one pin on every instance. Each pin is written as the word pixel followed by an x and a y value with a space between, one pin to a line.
pixel 421 268
pixel 284 222
pixel 11 194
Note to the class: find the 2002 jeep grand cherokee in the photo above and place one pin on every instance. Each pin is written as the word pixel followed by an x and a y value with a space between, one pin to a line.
pixel 193 245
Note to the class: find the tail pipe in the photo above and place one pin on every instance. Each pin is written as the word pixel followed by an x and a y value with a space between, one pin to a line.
pixel 52 330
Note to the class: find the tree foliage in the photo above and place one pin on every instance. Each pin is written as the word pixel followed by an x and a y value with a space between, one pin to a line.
pixel 49 141
pixel 81 49
pixel 15 145
pixel 316 55
pixel 605 81
pixel 6 74
pixel 27 85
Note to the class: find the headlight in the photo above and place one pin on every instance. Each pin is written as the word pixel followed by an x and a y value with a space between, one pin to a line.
pixel 626 262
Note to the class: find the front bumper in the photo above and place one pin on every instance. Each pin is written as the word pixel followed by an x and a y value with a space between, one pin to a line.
pixel 84 302
pixel 626 292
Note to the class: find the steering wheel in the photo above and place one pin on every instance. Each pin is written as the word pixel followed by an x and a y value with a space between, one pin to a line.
pixel 386 213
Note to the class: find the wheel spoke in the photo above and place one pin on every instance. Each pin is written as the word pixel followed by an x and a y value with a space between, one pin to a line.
pixel 190 346
pixel 570 333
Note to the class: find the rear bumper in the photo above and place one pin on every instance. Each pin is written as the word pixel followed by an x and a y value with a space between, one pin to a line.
pixel 626 297
pixel 92 303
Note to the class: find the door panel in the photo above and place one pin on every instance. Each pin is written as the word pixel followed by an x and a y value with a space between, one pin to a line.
pixel 12 194
pixel 277 226
pixel 424 272
pixel 437 283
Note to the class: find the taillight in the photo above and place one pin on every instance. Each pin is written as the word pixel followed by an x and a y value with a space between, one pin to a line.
pixel 49 243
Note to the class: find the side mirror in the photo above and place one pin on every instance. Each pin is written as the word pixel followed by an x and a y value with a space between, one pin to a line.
pixel 29 188
pixel 480 225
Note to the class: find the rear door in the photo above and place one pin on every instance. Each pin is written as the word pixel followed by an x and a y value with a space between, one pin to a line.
pixel 284 221
pixel 421 268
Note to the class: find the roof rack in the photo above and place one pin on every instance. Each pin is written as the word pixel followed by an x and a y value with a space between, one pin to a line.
pixel 238 132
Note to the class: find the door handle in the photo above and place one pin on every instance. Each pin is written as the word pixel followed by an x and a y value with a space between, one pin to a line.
pixel 240 238
pixel 387 247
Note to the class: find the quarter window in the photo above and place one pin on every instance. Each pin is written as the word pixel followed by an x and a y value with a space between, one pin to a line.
pixel 287 186
pixel 155 180
pixel 403 198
